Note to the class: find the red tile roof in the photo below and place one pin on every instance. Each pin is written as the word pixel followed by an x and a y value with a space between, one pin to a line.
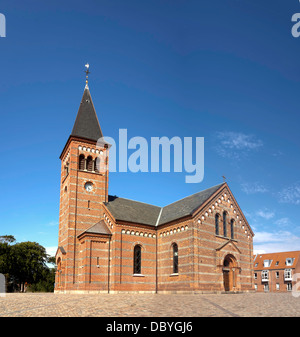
pixel 276 257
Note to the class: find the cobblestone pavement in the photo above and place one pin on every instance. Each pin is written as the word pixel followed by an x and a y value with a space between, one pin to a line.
pixel 149 305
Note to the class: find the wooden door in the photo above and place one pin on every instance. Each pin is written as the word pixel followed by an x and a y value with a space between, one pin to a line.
pixel 226 280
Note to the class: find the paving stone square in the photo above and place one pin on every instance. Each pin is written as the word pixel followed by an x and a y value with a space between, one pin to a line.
pixel 149 305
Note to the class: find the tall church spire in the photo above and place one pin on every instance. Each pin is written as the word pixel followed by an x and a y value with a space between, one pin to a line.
pixel 86 124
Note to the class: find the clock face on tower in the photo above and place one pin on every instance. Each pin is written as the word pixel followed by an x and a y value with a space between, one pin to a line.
pixel 88 186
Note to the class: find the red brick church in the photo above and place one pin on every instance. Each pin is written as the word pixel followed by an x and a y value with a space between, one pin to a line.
pixel 201 243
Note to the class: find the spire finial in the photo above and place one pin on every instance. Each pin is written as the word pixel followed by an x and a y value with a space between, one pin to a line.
pixel 224 178
pixel 87 75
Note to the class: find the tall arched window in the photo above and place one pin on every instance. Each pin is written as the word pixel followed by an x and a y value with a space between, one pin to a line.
pixel 224 224
pixel 217 224
pixel 175 258
pixel 232 228
pixel 81 162
pixel 89 163
pixel 137 260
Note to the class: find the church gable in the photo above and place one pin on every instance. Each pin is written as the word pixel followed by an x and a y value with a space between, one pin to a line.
pixel 220 202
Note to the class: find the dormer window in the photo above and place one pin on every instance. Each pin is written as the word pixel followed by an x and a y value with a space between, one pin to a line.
pixel 267 263
pixel 289 261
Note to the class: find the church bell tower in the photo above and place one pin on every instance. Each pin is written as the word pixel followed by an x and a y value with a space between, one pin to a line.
pixel 83 188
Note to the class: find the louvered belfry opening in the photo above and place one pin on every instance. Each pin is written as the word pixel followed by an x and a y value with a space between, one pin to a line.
pixel 89 163
pixel 97 164
pixel 81 162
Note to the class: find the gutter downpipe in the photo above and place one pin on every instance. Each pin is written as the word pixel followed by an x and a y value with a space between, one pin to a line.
pixel 156 252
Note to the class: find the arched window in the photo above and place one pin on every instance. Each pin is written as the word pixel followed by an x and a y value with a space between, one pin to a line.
pixel 232 228
pixel 217 223
pixel 89 163
pixel 224 224
pixel 175 258
pixel 81 162
pixel 137 260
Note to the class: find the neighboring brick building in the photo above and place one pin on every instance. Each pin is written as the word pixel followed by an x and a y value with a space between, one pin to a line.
pixel 110 244
pixel 274 271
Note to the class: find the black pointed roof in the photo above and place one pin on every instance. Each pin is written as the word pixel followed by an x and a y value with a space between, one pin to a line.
pixel 86 124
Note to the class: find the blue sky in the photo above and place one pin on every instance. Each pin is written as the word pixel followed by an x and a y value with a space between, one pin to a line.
pixel 228 71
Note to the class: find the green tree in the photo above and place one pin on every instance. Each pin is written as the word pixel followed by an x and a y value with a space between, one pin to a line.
pixel 28 263
pixel 7 239
pixel 46 283
pixel 51 259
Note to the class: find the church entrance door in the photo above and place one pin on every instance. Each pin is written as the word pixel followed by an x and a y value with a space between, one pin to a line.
pixel 229 268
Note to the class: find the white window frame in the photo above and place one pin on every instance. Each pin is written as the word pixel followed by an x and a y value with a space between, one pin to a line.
pixel 288 274
pixel 267 263
pixel 265 275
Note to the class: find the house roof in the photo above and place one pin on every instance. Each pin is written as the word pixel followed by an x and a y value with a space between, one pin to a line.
pixel 138 212
pixel 86 124
pixel 278 260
